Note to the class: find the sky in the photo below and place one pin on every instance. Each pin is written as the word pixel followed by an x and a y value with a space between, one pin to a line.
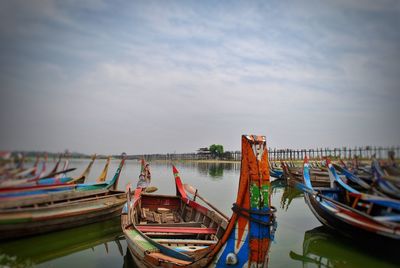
pixel 174 76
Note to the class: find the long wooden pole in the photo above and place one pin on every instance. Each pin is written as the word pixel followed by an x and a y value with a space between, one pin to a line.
pixel 195 193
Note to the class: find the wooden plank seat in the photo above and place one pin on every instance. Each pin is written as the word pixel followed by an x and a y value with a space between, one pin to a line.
pixel 180 230
pixel 178 224
pixel 185 242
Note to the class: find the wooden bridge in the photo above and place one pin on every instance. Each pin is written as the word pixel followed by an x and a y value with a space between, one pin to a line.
pixel 365 152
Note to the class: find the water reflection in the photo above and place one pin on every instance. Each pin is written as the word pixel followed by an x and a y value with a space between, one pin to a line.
pixel 322 248
pixel 289 193
pixel 208 169
pixel 128 260
pixel 38 249
pixel 276 185
pixel 213 170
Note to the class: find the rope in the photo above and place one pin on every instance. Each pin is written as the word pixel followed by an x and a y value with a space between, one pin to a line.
pixel 239 211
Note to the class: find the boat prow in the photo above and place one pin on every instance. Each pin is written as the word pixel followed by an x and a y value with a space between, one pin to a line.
pixel 176 230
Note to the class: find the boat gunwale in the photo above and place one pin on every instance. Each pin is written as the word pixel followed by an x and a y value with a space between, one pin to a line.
pixel 66 202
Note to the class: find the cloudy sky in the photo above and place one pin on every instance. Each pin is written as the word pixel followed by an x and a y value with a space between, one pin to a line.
pixel 165 76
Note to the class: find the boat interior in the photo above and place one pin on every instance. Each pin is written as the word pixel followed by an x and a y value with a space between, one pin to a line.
pixel 171 222
pixel 354 201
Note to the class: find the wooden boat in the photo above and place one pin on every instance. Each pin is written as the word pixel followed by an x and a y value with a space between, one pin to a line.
pixel 294 175
pixel 352 213
pixel 103 175
pixel 174 231
pixel 12 166
pixel 44 215
pixel 275 171
pixel 391 169
pixel 385 183
pixel 57 186
pixel 40 179
pixel 51 211
pixel 360 170
pixel 374 179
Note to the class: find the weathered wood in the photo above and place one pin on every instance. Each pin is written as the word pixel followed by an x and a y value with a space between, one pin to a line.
pixel 185 241
pixel 201 252
pixel 49 199
pixel 163 210
pixel 37 220
pixel 179 224
pixel 180 229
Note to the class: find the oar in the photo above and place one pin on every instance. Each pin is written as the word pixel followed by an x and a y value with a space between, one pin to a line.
pixel 151 189
pixel 195 193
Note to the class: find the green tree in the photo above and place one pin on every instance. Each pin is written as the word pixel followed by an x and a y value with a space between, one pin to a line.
pixel 216 150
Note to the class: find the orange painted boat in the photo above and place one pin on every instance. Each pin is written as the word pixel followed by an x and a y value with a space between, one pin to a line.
pixel 176 230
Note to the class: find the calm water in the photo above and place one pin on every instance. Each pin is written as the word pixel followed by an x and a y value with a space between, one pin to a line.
pixel 300 241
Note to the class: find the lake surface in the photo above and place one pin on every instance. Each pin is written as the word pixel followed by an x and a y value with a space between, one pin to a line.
pixel 300 241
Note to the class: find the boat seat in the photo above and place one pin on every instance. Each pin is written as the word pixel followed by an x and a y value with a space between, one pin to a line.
pixel 178 224
pixel 179 230
pixel 186 241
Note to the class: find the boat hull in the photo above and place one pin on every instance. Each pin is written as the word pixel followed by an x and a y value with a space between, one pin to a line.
pixel 349 223
pixel 201 236
pixel 16 223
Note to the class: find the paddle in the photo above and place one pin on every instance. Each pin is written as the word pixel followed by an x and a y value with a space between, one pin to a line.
pixel 195 193
pixel 150 189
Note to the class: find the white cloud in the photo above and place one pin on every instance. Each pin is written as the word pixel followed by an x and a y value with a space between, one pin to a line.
pixel 152 73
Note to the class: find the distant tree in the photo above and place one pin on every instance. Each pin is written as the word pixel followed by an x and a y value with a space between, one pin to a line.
pixel 216 150
pixel 216 170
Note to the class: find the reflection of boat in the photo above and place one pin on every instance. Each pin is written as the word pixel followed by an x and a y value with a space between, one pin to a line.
pixel 278 184
pixel 38 249
pixel 322 248
pixel 288 195
pixel 171 231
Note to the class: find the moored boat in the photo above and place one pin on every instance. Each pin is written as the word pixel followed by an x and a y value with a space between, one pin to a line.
pixel 351 213
pixel 294 174
pixel 31 189
pixel 175 230
pixel 46 211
